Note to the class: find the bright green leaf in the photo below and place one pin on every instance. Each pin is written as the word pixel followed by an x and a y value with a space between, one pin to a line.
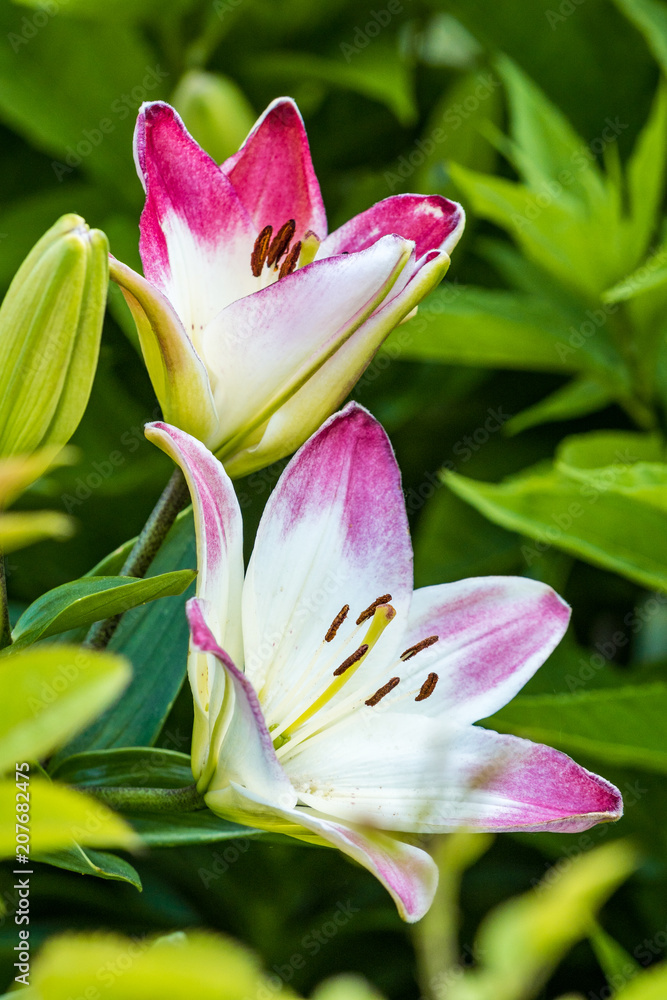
pixel 91 599
pixel 60 817
pixel 49 694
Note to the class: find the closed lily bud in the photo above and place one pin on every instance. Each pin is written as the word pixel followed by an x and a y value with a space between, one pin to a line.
pixel 215 110
pixel 50 327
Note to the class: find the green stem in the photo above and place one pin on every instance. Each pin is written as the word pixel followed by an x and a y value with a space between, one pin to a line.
pixel 175 497
pixel 5 625
pixel 152 800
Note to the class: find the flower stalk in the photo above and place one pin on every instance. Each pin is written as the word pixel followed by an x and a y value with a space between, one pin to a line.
pixel 5 626
pixel 174 498
pixel 154 800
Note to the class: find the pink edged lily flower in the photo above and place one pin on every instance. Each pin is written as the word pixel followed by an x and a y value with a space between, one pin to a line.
pixel 336 705
pixel 253 322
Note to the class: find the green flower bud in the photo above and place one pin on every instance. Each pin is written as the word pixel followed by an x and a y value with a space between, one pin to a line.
pixel 50 327
pixel 215 111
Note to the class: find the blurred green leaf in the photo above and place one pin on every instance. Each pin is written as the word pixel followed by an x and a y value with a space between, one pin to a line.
pixel 177 966
pixel 522 941
pixel 617 965
pixel 377 72
pixel 215 110
pixel 60 816
pixel 578 398
pixel 478 326
pixel 50 694
pixel 650 17
pixel 91 599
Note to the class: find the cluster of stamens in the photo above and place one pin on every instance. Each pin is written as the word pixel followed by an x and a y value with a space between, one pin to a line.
pixel 427 688
pixel 378 615
pixel 269 249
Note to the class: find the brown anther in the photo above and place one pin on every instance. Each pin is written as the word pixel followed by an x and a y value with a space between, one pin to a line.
pixel 260 250
pixel 337 622
pixel 280 242
pixel 381 692
pixel 354 658
pixel 291 260
pixel 370 610
pixel 418 646
pixel 427 688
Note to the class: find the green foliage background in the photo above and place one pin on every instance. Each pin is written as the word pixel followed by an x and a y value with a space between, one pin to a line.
pixel 551 326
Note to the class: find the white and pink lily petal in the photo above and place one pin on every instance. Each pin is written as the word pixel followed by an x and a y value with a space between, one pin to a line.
pixel 353 701
pixel 254 323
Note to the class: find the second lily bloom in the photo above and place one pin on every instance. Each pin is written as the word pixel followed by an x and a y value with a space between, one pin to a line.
pixel 334 704
pixel 254 323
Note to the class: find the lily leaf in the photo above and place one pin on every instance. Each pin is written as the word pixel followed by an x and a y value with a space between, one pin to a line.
pixel 128 766
pixel 155 640
pixel 91 599
pixel 89 862
pixel 621 726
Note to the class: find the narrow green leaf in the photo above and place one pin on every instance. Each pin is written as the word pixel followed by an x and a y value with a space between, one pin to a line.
pixel 616 963
pixel 91 599
pixel 144 766
pixel 578 398
pixel 179 829
pixel 650 17
pixel 89 862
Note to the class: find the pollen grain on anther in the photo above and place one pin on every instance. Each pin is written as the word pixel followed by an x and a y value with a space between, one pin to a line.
pixel 370 610
pixel 381 692
pixel 336 623
pixel 354 658
pixel 290 262
pixel 418 646
pixel 260 250
pixel 427 688
pixel 280 242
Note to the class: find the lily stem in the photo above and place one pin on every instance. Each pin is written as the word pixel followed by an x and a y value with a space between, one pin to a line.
pixel 174 498
pixel 186 799
pixel 5 625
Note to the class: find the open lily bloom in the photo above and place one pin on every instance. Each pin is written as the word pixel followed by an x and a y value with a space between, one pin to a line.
pixel 254 323
pixel 334 704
